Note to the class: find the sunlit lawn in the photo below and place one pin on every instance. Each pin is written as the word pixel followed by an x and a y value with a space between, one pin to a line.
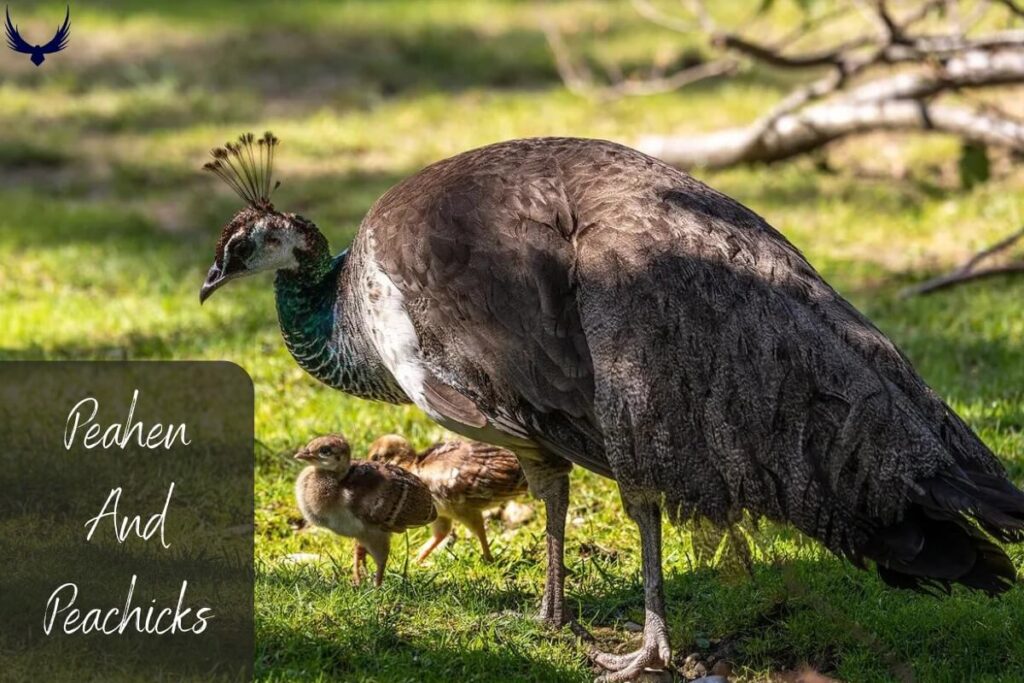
pixel 107 228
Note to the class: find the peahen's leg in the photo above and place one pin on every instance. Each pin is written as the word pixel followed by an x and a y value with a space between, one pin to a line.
pixel 439 529
pixel 655 652
pixel 549 481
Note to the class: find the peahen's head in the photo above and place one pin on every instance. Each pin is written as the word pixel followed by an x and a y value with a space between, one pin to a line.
pixel 258 238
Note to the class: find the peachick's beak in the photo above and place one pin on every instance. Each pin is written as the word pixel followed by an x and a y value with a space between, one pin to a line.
pixel 304 455
pixel 214 279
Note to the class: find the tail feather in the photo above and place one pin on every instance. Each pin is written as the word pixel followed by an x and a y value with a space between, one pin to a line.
pixel 937 543
pixel 995 503
pixel 993 572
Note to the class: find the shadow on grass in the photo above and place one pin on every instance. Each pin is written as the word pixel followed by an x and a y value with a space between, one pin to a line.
pixel 393 659
pixel 369 631
pixel 92 215
pixel 797 183
pixel 280 59
pixel 825 614
pixel 247 67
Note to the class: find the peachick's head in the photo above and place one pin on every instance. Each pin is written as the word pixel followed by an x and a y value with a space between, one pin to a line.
pixel 330 452
pixel 392 449
pixel 258 238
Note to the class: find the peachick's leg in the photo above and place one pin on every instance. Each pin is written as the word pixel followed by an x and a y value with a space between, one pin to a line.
pixel 655 652
pixel 474 521
pixel 549 481
pixel 379 547
pixel 440 529
pixel 358 562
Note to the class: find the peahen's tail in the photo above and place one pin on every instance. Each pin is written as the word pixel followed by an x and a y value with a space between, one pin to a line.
pixel 938 542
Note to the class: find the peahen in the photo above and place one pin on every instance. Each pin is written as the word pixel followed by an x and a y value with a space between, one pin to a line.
pixel 579 302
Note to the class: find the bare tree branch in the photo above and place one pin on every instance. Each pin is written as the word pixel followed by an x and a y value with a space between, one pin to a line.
pixel 579 79
pixel 814 127
pixel 1014 8
pixel 576 78
pixel 674 81
pixel 892 78
pixel 978 69
pixel 970 270
pixel 774 56
pixel 654 15
pixel 813 23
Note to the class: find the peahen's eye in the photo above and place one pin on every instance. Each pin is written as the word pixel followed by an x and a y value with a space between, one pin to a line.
pixel 273 241
pixel 324 450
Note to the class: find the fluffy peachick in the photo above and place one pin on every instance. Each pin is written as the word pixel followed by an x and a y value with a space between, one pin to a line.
pixel 464 477
pixel 579 302
pixel 366 501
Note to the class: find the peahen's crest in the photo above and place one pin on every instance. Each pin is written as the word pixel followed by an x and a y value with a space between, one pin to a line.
pixel 247 167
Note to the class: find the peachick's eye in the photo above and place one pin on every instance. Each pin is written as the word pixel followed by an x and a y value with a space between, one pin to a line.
pixel 273 241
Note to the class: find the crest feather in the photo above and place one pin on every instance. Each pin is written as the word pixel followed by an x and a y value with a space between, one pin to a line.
pixel 247 167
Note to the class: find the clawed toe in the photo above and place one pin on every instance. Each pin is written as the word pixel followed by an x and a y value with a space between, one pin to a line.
pixel 610 662
pixel 653 655
pixel 630 667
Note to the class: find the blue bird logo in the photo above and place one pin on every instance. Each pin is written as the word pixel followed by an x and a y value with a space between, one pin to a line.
pixel 58 43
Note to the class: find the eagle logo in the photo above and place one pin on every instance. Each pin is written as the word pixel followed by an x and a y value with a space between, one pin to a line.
pixel 38 52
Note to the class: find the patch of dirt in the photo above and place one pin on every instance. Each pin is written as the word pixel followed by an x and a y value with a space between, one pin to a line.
pixel 720 656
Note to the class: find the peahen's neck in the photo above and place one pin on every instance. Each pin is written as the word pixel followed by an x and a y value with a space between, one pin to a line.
pixel 322 334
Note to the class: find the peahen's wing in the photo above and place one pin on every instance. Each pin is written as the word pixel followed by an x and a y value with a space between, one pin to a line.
pixel 753 384
pixel 516 259
pixel 483 260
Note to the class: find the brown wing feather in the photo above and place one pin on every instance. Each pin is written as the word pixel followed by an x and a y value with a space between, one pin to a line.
pixel 388 497
pixel 490 256
pixel 471 472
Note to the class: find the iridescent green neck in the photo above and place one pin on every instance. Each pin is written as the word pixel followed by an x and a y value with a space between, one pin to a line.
pixel 312 312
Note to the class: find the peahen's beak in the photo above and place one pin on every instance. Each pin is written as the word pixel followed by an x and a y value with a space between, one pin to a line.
pixel 215 278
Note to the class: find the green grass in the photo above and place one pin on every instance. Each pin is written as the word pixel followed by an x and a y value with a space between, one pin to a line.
pixel 107 228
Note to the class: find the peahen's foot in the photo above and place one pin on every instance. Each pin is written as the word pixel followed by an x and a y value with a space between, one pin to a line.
pixel 654 654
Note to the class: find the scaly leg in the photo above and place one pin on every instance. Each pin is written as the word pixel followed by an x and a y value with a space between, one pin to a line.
pixel 549 481
pixel 440 528
pixel 655 652
pixel 474 521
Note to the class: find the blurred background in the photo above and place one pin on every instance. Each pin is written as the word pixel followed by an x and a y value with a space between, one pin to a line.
pixel 884 140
